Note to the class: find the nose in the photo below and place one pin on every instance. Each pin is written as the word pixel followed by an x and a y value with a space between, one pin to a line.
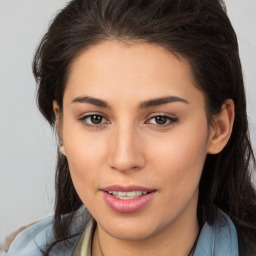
pixel 126 150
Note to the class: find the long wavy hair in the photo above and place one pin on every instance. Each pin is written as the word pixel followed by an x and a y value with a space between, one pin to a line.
pixel 198 31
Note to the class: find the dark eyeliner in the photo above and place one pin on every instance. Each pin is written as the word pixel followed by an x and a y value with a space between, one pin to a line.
pixel 84 122
pixel 170 121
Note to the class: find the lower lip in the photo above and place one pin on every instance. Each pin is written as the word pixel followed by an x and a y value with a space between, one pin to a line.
pixel 130 205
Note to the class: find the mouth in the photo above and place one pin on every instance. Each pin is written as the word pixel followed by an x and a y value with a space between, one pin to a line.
pixel 127 195
pixel 128 199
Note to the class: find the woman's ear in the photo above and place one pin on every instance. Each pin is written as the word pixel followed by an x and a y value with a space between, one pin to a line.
pixel 58 124
pixel 221 128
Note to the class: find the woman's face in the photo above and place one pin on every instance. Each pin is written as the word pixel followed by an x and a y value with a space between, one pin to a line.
pixel 134 122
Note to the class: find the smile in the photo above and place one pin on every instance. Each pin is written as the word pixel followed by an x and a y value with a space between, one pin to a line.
pixel 127 195
pixel 127 199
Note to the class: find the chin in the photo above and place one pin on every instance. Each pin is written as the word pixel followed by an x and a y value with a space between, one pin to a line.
pixel 128 229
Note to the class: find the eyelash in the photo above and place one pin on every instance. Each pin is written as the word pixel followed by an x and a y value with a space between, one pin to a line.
pixel 86 123
pixel 169 121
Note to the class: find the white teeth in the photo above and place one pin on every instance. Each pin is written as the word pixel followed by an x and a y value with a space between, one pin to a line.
pixel 121 194
pixel 127 195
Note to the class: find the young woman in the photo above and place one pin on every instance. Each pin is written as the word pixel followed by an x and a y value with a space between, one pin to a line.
pixel 154 156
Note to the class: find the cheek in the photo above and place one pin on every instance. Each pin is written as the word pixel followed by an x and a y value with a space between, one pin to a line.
pixel 85 153
pixel 180 159
pixel 179 166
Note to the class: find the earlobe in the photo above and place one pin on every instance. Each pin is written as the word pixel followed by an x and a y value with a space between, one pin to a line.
pixel 58 124
pixel 221 129
pixel 62 148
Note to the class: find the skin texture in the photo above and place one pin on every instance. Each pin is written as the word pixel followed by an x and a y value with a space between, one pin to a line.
pixel 129 147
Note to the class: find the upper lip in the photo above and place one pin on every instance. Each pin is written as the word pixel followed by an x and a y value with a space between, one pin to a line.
pixel 129 188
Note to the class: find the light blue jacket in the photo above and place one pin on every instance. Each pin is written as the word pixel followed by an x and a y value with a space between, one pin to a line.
pixel 220 239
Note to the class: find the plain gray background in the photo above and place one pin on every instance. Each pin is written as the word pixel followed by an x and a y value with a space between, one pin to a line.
pixel 27 144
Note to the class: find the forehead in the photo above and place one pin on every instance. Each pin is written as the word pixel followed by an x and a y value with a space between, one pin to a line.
pixel 135 70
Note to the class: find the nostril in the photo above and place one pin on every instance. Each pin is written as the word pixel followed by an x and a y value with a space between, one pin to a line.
pixel 124 167
pixel 125 155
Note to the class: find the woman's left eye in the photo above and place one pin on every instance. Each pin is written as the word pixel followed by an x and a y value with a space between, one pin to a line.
pixel 94 120
pixel 162 120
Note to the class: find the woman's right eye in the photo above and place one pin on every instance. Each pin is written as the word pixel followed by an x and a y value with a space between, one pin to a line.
pixel 94 120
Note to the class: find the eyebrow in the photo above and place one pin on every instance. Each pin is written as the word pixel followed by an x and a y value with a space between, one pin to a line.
pixel 161 101
pixel 142 105
pixel 91 100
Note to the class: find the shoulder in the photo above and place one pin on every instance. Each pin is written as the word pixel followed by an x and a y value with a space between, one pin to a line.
pixel 225 234
pixel 218 239
pixel 34 239
pixel 31 239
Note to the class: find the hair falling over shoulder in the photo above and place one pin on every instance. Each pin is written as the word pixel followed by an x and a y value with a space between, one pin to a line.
pixel 200 32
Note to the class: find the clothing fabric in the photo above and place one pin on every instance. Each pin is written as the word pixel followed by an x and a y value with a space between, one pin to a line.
pixel 219 239
pixel 83 247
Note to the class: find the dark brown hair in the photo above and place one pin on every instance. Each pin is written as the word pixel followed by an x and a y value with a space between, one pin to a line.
pixel 200 32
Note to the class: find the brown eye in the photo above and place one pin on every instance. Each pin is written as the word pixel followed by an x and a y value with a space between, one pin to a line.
pixel 96 119
pixel 161 120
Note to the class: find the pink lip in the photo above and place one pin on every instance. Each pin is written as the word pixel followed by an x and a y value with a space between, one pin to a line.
pixel 131 205
pixel 126 188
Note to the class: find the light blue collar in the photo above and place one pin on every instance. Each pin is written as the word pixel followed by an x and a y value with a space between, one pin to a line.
pixel 220 239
